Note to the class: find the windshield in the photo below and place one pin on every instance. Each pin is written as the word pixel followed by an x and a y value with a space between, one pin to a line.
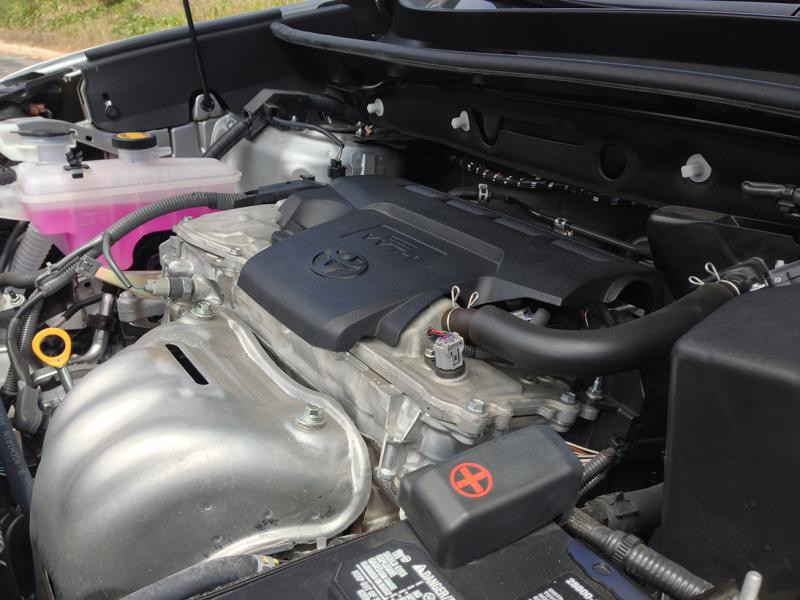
pixel 763 7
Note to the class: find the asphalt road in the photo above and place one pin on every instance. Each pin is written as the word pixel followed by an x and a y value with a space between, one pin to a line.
pixel 9 64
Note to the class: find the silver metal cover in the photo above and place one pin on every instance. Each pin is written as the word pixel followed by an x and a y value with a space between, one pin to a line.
pixel 146 470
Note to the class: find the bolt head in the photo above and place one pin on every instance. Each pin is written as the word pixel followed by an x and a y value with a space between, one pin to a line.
pixel 235 251
pixel 568 398
pixel 203 311
pixel 15 299
pixel 477 406
pixel 312 417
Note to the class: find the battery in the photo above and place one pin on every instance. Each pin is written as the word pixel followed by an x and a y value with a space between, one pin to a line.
pixel 392 564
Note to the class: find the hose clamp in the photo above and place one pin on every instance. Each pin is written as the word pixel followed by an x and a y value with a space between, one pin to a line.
pixel 624 547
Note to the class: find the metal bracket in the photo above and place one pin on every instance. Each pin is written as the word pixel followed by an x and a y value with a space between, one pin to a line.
pixel 562 226
pixel 201 114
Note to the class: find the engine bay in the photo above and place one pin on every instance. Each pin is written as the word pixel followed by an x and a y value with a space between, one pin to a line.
pixel 374 331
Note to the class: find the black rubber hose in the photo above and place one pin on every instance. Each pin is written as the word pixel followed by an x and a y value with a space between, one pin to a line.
pixel 631 554
pixel 199 578
pixel 26 334
pixel 11 243
pixel 19 280
pixel 637 512
pixel 223 144
pixel 586 353
pixel 13 461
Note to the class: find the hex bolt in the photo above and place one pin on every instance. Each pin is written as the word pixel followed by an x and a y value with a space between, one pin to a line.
pixel 595 391
pixel 235 251
pixel 568 398
pixel 15 298
pixel 203 311
pixel 477 406
pixel 312 417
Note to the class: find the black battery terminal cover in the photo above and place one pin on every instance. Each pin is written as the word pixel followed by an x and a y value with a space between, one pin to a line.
pixel 491 495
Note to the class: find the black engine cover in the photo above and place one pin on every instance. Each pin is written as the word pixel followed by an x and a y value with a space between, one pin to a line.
pixel 364 255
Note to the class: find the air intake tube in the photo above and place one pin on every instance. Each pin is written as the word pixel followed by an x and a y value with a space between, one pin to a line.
pixel 587 353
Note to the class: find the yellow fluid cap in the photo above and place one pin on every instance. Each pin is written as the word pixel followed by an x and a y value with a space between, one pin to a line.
pixel 134 140
pixel 52 361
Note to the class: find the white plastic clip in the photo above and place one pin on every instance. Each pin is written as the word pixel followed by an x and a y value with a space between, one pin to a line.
pixel 696 169
pixel 712 270
pixel 461 121
pixel 375 107
pixel 473 298
pixel 455 292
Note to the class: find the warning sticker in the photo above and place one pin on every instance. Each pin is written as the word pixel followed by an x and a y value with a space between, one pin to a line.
pixel 566 587
pixel 471 480
pixel 393 572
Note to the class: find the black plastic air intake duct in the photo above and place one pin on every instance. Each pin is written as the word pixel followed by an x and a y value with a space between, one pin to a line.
pixel 587 353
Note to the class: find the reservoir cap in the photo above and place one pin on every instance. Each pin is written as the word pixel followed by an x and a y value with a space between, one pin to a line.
pixel 134 140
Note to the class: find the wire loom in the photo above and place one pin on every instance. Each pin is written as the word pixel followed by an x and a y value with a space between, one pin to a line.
pixel 532 182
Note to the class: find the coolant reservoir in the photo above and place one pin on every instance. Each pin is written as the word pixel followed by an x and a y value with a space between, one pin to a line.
pixel 75 202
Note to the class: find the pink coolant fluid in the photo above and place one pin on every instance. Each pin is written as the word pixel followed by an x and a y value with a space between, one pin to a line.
pixel 75 209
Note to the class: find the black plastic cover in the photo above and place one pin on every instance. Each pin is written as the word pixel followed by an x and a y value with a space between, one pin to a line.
pixel 367 254
pixel 683 239
pixel 487 497
pixel 731 486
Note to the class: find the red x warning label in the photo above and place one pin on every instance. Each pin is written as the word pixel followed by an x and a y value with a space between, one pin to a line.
pixel 471 480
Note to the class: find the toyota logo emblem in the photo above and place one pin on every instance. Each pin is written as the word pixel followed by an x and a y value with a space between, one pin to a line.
pixel 339 264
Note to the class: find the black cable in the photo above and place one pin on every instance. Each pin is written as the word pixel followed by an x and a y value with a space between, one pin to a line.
pixel 11 243
pixel 208 102
pixel 203 577
pixel 468 193
pixel 635 558
pixel 224 143
pixel 299 125
pixel 70 312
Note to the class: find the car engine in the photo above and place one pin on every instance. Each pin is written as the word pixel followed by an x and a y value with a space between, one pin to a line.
pixel 306 352
pixel 332 340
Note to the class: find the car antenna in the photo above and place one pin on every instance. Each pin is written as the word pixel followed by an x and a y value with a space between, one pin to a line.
pixel 207 102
